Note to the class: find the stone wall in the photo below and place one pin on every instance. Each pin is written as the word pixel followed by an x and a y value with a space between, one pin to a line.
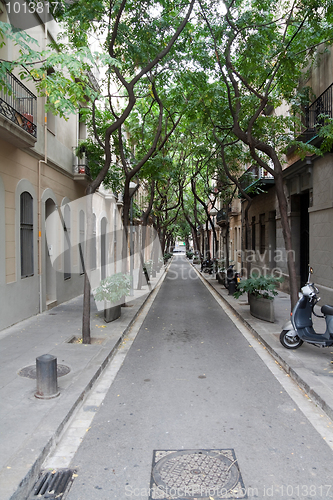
pixel 321 227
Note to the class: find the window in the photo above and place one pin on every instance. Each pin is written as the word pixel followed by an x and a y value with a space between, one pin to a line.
pixel 103 248
pixel 26 235
pixel 67 243
pixel 93 253
pixel 51 119
pixel 81 240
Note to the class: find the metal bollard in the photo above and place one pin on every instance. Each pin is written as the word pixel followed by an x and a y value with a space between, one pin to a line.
pixel 232 288
pixel 46 371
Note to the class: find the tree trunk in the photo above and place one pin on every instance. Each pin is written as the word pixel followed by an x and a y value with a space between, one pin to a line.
pixel 283 205
pixel 86 338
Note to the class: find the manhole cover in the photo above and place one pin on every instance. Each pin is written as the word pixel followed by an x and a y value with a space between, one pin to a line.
pixel 194 474
pixel 30 371
pixel 53 484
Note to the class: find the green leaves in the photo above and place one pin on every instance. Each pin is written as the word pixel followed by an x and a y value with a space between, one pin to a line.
pixel 113 288
pixel 260 286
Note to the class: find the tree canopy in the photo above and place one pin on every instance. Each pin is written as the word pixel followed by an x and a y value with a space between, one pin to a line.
pixel 191 94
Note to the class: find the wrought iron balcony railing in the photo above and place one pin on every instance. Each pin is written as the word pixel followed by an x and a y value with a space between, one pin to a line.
pixel 19 105
pixel 221 216
pixel 254 177
pixel 80 165
pixel 323 105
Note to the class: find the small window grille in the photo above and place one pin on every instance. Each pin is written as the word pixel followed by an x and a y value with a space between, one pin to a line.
pixel 67 243
pixel 26 235
pixel 93 242
pixel 103 248
pixel 81 256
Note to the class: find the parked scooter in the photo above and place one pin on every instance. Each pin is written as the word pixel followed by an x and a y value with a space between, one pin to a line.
pixel 300 328
pixel 207 265
pixel 232 279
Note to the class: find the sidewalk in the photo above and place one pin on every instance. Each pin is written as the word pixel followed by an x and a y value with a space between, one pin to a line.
pixel 311 367
pixel 31 426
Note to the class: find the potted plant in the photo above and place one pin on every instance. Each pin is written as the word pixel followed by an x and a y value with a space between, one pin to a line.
pixel 160 264
pixel 167 256
pixel 221 271
pixel 112 290
pixel 261 291
pixel 196 257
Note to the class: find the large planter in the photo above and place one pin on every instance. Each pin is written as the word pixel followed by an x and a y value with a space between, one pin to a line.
pixel 220 276
pixel 262 308
pixel 112 313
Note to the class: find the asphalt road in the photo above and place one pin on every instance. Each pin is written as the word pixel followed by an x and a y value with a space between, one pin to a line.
pixel 191 381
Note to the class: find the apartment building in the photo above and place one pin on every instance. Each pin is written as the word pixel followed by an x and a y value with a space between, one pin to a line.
pixel 309 188
pixel 39 174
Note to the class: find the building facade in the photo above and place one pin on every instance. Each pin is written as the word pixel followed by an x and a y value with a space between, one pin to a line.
pixel 309 190
pixel 40 175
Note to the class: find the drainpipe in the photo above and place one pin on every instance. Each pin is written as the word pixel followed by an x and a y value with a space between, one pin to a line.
pixel 39 197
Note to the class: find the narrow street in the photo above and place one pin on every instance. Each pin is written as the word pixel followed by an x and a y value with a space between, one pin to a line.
pixel 191 381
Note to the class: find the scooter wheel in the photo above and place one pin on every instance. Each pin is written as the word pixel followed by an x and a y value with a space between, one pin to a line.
pixel 290 342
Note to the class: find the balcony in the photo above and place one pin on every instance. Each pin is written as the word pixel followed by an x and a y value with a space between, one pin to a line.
pixel 18 113
pixel 323 105
pixel 256 180
pixel 221 217
pixel 81 169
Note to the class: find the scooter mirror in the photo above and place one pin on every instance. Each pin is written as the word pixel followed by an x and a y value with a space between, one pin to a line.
pixel 311 270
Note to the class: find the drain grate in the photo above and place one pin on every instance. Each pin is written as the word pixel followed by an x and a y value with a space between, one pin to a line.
pixel 195 474
pixel 53 484
pixel 30 371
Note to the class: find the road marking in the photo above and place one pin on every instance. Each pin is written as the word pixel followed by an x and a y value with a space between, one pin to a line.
pixel 80 423
pixel 316 416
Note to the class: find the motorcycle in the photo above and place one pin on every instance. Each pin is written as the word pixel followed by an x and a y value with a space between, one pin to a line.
pixel 207 266
pixel 232 279
pixel 300 328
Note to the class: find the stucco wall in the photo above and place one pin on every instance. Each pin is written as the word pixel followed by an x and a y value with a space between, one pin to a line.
pixel 19 297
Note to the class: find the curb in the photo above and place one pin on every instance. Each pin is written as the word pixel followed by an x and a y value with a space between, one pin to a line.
pixel 25 486
pixel 315 397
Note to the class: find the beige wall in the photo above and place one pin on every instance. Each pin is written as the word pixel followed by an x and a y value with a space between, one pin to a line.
pixel 15 165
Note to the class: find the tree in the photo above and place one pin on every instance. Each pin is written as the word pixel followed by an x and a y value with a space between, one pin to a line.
pixel 258 49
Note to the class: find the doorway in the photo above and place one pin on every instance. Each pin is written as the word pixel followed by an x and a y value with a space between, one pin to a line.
pixel 304 237
pixel 50 272
pixel 103 248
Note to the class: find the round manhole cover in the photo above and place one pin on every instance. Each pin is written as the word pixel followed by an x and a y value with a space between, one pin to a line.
pixel 30 371
pixel 201 471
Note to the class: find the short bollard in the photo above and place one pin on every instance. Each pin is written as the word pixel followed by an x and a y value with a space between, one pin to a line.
pixel 46 371
pixel 232 288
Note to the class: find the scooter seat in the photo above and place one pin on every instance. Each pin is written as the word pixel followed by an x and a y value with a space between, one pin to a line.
pixel 327 310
